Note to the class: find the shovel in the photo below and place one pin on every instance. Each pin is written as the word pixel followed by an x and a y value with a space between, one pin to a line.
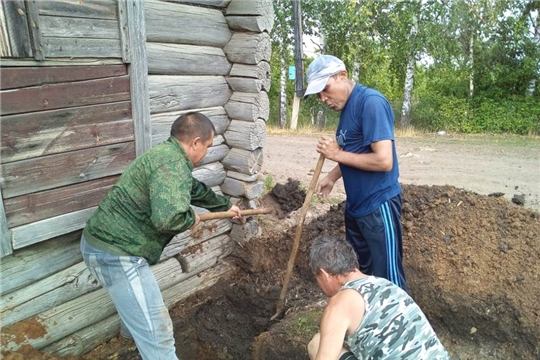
pixel 296 244
pixel 231 214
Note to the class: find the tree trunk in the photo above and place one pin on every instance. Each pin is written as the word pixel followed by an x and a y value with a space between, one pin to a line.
pixel 409 79
pixel 283 92
pixel 471 75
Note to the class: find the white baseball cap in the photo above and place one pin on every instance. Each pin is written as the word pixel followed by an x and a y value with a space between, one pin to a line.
pixel 320 70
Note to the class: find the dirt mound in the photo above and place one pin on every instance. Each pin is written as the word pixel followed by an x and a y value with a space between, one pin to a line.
pixel 290 196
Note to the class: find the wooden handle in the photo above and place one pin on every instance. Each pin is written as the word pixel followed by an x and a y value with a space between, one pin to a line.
pixel 231 214
pixel 296 245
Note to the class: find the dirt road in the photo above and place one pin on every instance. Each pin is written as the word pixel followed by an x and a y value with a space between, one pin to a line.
pixel 484 165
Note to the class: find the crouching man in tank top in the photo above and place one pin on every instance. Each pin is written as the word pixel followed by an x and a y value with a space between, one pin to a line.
pixel 366 317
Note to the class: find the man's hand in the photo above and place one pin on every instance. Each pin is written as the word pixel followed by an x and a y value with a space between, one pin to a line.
pixel 328 147
pixel 236 209
pixel 324 187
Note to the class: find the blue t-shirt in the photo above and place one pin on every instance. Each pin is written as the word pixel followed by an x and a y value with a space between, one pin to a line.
pixel 366 118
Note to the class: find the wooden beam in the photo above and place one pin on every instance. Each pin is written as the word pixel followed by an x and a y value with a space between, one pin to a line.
pixel 138 74
pixel 214 3
pixel 52 171
pixel 211 174
pixel 123 27
pixel 25 235
pixel 36 262
pixel 5 234
pixel 260 71
pixel 248 106
pixel 61 62
pixel 17 27
pixel 248 48
pixel 5 48
pixel 250 190
pixel 246 135
pixel 94 9
pixel 167 22
pixel 178 59
pixel 34 29
pixel 71 94
pixel 67 27
pixel 214 153
pixel 18 77
pixel 81 47
pixel 206 253
pixel 170 93
pixel 243 161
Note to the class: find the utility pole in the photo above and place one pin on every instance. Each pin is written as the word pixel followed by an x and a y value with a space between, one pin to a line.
pixel 298 62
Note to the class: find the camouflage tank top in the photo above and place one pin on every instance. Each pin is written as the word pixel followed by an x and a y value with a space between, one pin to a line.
pixel 393 326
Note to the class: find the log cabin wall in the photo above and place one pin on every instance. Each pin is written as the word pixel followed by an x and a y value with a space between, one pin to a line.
pixel 85 88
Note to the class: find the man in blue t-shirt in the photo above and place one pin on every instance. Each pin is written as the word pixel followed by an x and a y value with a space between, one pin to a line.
pixel 365 151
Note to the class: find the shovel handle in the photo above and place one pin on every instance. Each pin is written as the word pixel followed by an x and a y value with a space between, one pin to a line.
pixel 231 214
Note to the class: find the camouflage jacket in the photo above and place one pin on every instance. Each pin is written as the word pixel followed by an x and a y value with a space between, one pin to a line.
pixel 150 203
pixel 393 326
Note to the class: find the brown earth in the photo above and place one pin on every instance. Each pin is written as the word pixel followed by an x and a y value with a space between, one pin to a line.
pixel 472 264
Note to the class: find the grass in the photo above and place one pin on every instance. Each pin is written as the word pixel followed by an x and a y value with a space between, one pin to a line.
pixel 269 184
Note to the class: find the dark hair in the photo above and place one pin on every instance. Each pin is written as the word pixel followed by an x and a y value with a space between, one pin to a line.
pixel 336 256
pixel 192 125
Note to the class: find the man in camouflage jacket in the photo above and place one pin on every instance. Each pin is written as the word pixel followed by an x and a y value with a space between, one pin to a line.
pixel 139 216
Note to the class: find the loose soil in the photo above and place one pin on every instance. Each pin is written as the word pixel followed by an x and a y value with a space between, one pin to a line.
pixel 472 263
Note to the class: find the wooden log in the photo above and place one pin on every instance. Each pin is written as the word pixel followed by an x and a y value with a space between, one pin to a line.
pixel 256 24
pixel 81 47
pixel 31 135
pixel 29 234
pixel 5 48
pixel 138 73
pixel 193 237
pixel 239 84
pixel 69 27
pixel 207 252
pixel 244 177
pixel 18 77
pixel 214 153
pixel 34 25
pixel 211 174
pixel 235 187
pixel 123 25
pixel 34 207
pixel 72 94
pixel 243 161
pixel 260 71
pixel 170 93
pixel 250 8
pixel 247 48
pixel 242 233
pixel 162 122
pixel 96 9
pixel 47 172
pixel 168 22
pixel 214 3
pixel 218 140
pixel 60 321
pixel 17 28
pixel 248 106
pixel 37 262
pixel 246 135
pixel 61 62
pixel 46 293
pixel 177 59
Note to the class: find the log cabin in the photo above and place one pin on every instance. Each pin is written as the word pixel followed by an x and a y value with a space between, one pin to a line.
pixel 86 87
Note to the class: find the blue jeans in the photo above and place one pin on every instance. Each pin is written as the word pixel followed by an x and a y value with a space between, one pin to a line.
pixel 137 298
pixel 377 240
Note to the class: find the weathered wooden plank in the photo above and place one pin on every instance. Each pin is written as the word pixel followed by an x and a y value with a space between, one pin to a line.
pixel 214 153
pixel 243 161
pixel 248 48
pixel 193 237
pixel 17 27
pixel 177 59
pixel 61 62
pixel 248 106
pixel 250 8
pixel 259 71
pixel 215 3
pixel 19 77
pixel 246 135
pixel 244 177
pixel 95 9
pixel 240 84
pixel 249 190
pixel 207 252
pixel 46 293
pixel 5 48
pixel 138 72
pixel 81 47
pixel 39 261
pixel 250 23
pixel 218 140
pixel 34 207
pixel 124 31
pixel 170 93
pixel 5 234
pixel 29 234
pixel 34 29
pixel 39 174
pixel 162 122
pixel 242 233
pixel 211 174
pixel 192 24
pixel 26 136
pixel 68 27
pixel 71 316
pixel 72 94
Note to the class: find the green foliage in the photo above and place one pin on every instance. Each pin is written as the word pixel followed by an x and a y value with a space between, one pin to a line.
pixel 269 183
